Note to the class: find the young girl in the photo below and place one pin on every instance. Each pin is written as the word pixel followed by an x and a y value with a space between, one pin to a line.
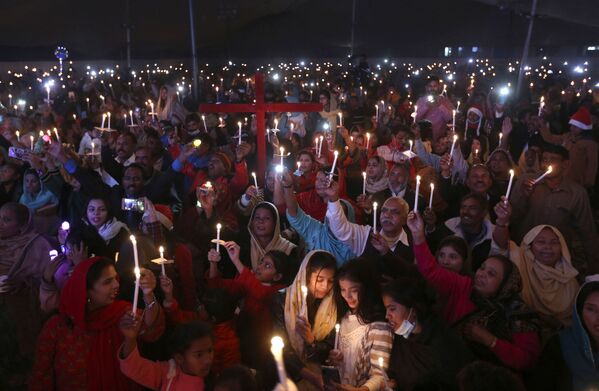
pixel 192 348
pixel 256 289
pixel 453 255
pixel 364 337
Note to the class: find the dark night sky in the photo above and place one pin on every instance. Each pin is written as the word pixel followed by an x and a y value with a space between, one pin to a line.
pixel 31 29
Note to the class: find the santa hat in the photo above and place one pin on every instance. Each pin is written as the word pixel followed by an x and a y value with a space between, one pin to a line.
pixel 582 119
pixel 165 216
pixel 478 111
pixel 226 160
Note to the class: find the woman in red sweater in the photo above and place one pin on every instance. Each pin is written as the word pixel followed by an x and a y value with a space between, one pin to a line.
pixel 486 308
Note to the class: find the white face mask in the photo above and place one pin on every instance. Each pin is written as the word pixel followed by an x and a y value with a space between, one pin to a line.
pixel 406 327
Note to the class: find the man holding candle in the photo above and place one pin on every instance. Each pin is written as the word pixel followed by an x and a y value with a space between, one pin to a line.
pixel 387 247
pixel 399 186
pixel 557 201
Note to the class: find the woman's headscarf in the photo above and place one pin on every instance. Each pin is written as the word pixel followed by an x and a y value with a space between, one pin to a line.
pixel 105 338
pixel 277 242
pixel 43 198
pixel 326 315
pixel 12 251
pixel 381 181
pixel 548 290
pixel 505 313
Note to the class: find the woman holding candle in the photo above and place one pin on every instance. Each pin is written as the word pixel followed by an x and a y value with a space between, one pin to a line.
pixel 500 163
pixel 426 353
pixel 102 231
pixel 168 107
pixel 477 149
pixel 308 169
pixel 479 305
pixel 307 322
pixel 364 336
pixel 77 348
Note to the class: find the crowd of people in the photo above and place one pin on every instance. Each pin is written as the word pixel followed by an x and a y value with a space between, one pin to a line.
pixel 439 235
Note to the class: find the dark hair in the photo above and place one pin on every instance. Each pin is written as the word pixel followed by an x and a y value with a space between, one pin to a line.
pixel 370 307
pixel 458 244
pixel 185 333
pixel 320 260
pixel 508 268
pixel 237 378
pixel 137 166
pixel 481 199
pixel 484 376
pixel 267 206
pixel 21 212
pixel 95 271
pixel 75 237
pixel 219 304
pixel 583 294
pixel 556 149
pixel 325 93
pixel 130 135
pixel 106 204
pixel 432 78
pixel 412 292
pixel 477 167
pixel 284 265
pixel 307 153
pixel 33 172
pixel 195 117
pixel 152 133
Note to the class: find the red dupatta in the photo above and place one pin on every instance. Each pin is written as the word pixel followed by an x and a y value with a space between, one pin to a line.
pixel 102 327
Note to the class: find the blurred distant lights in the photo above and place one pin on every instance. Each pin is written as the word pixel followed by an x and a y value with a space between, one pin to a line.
pixel 578 69
pixel 275 76
pixel 504 91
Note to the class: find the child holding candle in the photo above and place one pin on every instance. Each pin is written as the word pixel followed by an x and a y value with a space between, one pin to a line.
pixel 308 336
pixel 364 336
pixel 192 346
pixel 256 288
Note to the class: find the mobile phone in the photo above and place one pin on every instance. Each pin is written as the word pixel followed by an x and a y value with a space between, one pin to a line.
pixel 17 153
pixel 330 374
pixel 133 204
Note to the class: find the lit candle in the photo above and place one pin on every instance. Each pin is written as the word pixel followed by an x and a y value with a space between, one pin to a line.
pixel 411 144
pixel 509 186
pixel 382 366
pixel 334 164
pixel 340 120
pixel 304 310
pixel 430 199
pixel 416 193
pixel 377 111
pixel 18 135
pixel 549 169
pixel 48 91
pixel 367 141
pixel 320 145
pixel 204 121
pixel 415 112
pixel 282 151
pixel 500 137
pixel 255 180
pixel 458 107
pixel 152 109
pixel 276 124
pixel 455 138
pixel 276 348
pixel 10 99
pixel 161 249
pixel 316 145
pixel 131 116
pixel 56 133
pixel 239 124
pixel 374 206
pixel 337 327
pixel 32 145
pixel 93 147
pixel 541 105
pixel 453 121
pixel 220 122
pixel 109 119
pixel 364 183
pixel 103 120
pixel 87 100
pixel 137 274
pixel 218 227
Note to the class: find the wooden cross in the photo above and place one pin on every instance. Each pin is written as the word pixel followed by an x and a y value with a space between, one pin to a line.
pixel 261 108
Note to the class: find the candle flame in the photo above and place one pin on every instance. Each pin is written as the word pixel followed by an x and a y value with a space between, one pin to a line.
pixel 132 238
pixel 277 343
pixel 375 205
pixel 337 327
pixel 218 226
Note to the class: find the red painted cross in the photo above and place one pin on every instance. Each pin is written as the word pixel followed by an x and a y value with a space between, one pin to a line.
pixel 261 108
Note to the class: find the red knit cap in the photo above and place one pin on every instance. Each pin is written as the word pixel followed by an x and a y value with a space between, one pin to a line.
pixel 226 160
